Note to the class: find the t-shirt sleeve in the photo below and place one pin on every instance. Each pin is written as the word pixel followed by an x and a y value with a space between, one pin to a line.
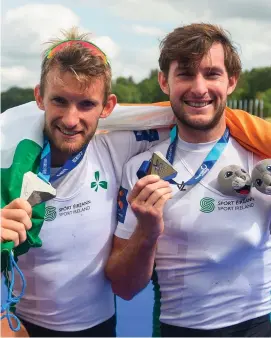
pixel 127 221
pixel 123 145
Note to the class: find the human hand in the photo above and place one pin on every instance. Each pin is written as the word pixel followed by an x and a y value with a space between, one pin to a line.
pixel 15 220
pixel 147 200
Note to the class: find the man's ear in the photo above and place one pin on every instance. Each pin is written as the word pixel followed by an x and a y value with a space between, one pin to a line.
pixel 232 84
pixel 109 106
pixel 38 97
pixel 162 79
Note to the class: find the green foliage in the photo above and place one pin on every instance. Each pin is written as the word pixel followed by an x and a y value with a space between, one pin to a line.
pixel 126 90
pixel 255 84
pixel 150 89
pixel 259 80
pixel 146 91
pixel 15 96
pixel 266 97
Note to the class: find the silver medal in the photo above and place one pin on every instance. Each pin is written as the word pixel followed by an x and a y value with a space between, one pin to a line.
pixel 35 190
pixel 161 166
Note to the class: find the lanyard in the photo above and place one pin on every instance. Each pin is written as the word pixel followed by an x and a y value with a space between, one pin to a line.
pixel 45 163
pixel 206 165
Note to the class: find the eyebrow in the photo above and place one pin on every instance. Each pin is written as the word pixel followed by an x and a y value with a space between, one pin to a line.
pixel 209 69
pixel 93 101
pixel 81 99
pixel 215 69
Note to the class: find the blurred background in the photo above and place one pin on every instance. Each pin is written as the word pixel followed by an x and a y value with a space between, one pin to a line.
pixel 129 31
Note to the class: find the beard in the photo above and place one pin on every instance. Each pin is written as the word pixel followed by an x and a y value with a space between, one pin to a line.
pixel 67 147
pixel 197 124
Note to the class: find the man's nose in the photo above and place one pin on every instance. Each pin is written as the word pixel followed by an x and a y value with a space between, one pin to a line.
pixel 199 86
pixel 71 117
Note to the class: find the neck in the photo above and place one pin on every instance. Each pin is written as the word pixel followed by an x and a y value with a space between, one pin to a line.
pixel 58 158
pixel 191 135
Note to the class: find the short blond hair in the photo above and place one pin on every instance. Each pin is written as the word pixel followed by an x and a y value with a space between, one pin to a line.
pixel 76 59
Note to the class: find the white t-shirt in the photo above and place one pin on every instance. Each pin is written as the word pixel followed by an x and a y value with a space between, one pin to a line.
pixel 66 287
pixel 213 261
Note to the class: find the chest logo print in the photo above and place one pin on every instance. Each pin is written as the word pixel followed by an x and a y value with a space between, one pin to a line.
pixel 97 183
pixel 50 214
pixel 207 205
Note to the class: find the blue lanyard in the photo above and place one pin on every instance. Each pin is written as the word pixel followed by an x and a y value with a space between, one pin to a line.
pixel 208 162
pixel 45 163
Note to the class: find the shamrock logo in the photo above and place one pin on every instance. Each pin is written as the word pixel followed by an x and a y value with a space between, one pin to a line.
pixel 97 183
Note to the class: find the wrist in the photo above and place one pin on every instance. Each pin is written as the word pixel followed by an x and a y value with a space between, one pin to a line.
pixel 147 240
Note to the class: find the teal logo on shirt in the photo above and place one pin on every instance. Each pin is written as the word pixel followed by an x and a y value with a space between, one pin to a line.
pixel 50 214
pixel 207 205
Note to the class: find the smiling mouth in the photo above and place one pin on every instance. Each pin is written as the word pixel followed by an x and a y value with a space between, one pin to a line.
pixel 244 190
pixel 68 133
pixel 198 104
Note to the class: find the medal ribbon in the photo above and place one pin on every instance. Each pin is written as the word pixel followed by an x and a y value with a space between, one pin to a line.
pixel 204 168
pixel 45 163
pixel 208 162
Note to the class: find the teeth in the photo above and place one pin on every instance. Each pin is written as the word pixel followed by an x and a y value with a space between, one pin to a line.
pixel 197 104
pixel 68 132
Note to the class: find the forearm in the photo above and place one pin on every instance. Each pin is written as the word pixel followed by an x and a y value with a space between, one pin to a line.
pixel 130 269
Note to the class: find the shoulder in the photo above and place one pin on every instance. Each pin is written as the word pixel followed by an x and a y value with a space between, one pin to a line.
pixel 162 147
pixel 124 136
pixel 113 137
pixel 235 146
pixel 135 162
pixel 115 142
pixel 23 111
pixel 22 114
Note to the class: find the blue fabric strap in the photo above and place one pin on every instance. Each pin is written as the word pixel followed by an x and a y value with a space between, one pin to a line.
pixel 208 162
pixel 204 168
pixel 45 163
pixel 11 299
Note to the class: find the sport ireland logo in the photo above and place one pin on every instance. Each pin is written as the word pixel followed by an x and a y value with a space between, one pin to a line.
pixel 207 205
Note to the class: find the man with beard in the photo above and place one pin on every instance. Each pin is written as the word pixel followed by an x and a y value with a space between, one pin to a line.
pixel 66 292
pixel 209 254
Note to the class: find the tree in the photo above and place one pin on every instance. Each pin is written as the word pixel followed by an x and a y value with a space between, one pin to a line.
pixel 150 89
pixel 266 97
pixel 259 80
pixel 15 96
pixel 126 90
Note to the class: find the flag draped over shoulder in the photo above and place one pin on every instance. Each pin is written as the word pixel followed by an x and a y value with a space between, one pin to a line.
pixel 21 145
pixel 22 141
pixel 252 132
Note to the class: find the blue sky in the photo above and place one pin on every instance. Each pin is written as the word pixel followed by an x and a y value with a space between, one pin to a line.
pixel 128 30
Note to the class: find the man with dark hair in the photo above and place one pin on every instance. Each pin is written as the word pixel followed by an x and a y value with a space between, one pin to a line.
pixel 209 254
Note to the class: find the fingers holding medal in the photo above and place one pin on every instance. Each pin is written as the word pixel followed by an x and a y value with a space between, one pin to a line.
pixel 147 200
pixel 15 221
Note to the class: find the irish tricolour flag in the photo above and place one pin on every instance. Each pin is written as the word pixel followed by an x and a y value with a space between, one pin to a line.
pixel 22 141
pixel 21 145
